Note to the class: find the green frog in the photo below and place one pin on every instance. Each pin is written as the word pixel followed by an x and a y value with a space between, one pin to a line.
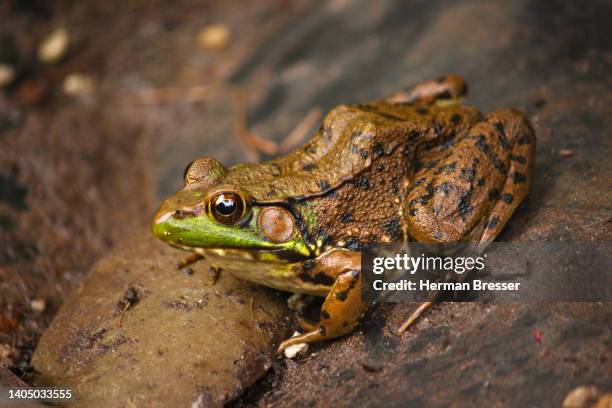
pixel 417 165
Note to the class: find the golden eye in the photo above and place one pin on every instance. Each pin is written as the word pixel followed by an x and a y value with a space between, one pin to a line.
pixel 227 208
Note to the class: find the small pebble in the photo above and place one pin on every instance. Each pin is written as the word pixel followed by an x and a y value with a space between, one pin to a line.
pixel 54 46
pixel 78 85
pixel 7 74
pixel 566 153
pixel 5 351
pixel 296 349
pixel 214 36
pixel 38 305
pixel 581 397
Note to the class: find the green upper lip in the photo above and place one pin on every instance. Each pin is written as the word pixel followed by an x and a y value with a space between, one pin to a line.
pixel 195 232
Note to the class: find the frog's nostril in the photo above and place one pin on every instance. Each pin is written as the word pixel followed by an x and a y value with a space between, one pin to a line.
pixel 181 214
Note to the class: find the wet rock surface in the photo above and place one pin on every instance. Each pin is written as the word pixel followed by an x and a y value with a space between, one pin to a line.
pixel 552 59
pixel 139 332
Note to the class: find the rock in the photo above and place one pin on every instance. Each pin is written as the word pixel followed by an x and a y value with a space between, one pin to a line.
pixel 214 36
pixel 7 74
pixel 38 305
pixel 54 46
pixel 138 331
pixel 295 350
pixel 78 85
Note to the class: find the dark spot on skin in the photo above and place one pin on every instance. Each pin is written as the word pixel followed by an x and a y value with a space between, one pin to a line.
pixel 468 174
pixel 424 199
pixel 309 166
pixel 379 149
pixel 395 186
pixel 507 198
pixel 455 118
pixel 445 95
pixel 492 223
pixel 393 227
pixel 481 182
pixel 362 153
pixel 310 149
pixel 276 171
pixel 464 209
pixel 488 150
pixel 413 135
pixel 323 236
pixel 431 164
pixel 503 140
pixel 319 278
pixel 308 265
pixel 438 128
pixel 518 159
pixel 447 168
pixel 493 193
pixel 362 182
pixel 523 140
pixel 182 214
pixel 353 244
pixel 324 314
pixel 419 182
pixel 443 188
pixel 346 217
pixel 437 210
pixel 450 142
pixel 518 177
pixel 376 111
pixel 324 185
pixel 422 111
pixel 341 296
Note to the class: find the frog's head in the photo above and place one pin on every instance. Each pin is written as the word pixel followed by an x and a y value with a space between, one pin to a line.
pixel 208 214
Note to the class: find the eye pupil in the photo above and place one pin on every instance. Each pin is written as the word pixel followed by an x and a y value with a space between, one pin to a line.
pixel 227 207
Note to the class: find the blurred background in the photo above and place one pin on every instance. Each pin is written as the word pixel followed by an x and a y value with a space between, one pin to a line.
pixel 104 103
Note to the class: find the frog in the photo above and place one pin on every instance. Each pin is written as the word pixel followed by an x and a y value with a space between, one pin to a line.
pixel 418 165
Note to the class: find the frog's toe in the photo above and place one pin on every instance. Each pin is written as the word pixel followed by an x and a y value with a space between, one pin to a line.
pixel 309 337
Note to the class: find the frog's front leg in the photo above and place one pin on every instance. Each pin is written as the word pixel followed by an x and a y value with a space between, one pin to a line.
pixel 342 307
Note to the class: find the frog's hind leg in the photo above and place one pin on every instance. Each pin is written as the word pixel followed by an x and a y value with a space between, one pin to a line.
pixel 340 312
pixel 513 127
pixel 471 192
pixel 446 87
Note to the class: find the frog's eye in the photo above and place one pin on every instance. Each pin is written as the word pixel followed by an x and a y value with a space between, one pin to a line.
pixel 227 208
pixel 186 171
